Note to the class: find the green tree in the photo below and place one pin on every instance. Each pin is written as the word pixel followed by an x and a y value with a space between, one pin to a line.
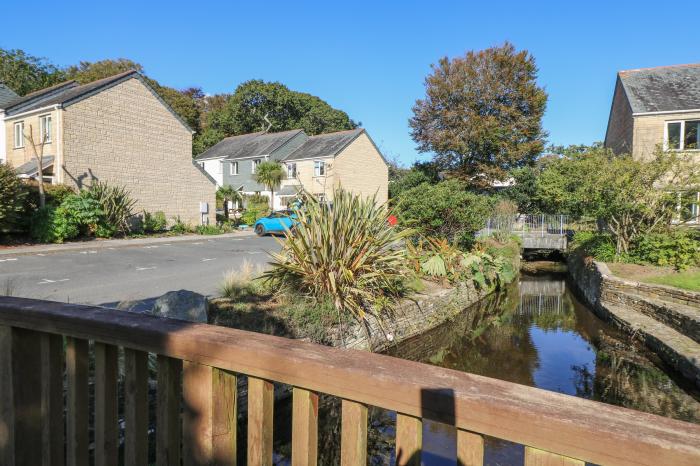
pixel 482 114
pixel 24 73
pixel 256 102
pixel 270 174
pixel 12 195
pixel 87 72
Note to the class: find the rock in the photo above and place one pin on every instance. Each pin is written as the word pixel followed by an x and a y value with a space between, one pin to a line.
pixel 182 305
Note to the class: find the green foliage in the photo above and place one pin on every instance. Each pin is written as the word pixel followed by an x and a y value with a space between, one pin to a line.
pixel 25 73
pixel 213 229
pixel 444 210
pixel 244 283
pixel 407 180
pixel 42 225
pixel 678 248
pixel 270 174
pixel 482 114
pixel 206 139
pixel 523 191
pixel 116 204
pixel 179 227
pixel 12 199
pixel 154 222
pixel 77 215
pixel 600 246
pixel 347 254
pixel 86 72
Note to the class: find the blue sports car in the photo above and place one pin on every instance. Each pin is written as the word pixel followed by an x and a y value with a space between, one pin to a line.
pixel 276 222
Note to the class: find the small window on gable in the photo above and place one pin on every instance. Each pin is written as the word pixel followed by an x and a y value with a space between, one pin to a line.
pixel 19 134
pixel 319 168
pixel 233 168
pixel 45 128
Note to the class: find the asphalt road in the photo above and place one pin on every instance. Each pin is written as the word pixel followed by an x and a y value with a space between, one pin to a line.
pixel 140 273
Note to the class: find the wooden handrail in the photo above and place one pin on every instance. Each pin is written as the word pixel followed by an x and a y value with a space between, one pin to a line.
pixel 569 426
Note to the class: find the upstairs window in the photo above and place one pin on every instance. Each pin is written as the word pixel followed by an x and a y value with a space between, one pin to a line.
pixel 19 134
pixel 319 168
pixel 45 128
pixel 256 162
pixel 683 135
pixel 291 170
pixel 233 168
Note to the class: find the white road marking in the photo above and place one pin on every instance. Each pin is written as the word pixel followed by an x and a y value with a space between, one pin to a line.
pixel 212 259
pixel 111 248
pixel 42 255
pixel 150 247
pixel 45 281
pixel 144 268
pixel 88 252
pixel 254 252
pixel 198 243
pixel 167 244
pixel 8 260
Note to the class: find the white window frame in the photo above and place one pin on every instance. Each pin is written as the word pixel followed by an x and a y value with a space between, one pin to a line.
pixel 319 168
pixel 255 163
pixel 681 143
pixel 233 168
pixel 18 136
pixel 45 136
pixel 291 170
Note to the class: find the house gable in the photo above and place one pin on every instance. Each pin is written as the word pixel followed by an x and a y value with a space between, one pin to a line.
pixel 619 134
pixel 361 168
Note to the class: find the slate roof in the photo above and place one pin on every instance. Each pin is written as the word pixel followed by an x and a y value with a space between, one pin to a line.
pixel 7 96
pixel 30 168
pixel 324 145
pixel 248 145
pixel 666 88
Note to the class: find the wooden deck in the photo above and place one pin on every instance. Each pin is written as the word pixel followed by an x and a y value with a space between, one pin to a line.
pixel 197 369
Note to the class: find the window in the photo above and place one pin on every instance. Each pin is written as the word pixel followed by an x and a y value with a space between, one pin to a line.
pixel 683 135
pixel 319 168
pixel 256 162
pixel 45 128
pixel 291 170
pixel 19 134
pixel 233 168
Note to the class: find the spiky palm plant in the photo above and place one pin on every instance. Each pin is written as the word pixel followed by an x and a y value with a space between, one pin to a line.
pixel 116 202
pixel 346 253
pixel 270 174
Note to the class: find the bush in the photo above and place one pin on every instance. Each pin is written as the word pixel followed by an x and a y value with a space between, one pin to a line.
pixel 243 283
pixel 253 213
pixel 116 204
pixel 180 227
pixel 444 210
pixel 679 248
pixel 76 216
pixel 153 223
pixel 55 194
pixel 348 255
pixel 12 199
pixel 42 227
pixel 600 246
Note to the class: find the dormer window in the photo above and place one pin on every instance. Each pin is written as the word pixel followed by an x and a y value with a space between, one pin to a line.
pixel 682 135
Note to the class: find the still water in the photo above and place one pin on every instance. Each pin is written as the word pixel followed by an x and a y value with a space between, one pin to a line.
pixel 536 333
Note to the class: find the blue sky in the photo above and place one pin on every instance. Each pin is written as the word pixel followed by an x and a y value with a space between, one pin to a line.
pixel 367 58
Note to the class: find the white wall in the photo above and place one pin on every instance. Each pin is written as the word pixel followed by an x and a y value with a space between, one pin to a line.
pixel 3 156
pixel 215 169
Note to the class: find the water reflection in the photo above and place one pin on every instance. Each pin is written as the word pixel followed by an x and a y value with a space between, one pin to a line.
pixel 535 333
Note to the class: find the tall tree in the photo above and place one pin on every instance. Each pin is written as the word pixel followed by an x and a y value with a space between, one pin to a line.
pixel 253 101
pixel 482 114
pixel 24 73
pixel 270 174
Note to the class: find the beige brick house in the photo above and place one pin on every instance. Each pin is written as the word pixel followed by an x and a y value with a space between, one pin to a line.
pixel 317 164
pixel 116 130
pixel 658 108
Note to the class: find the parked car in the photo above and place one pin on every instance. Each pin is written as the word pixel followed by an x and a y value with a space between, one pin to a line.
pixel 276 222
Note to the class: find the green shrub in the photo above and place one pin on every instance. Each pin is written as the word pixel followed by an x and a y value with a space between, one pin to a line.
pixel 12 199
pixel 444 210
pixel 42 227
pixel 116 204
pixel 347 254
pixel 180 227
pixel 679 248
pixel 76 216
pixel 55 194
pixel 253 213
pixel 208 230
pixel 154 222
pixel 243 283
pixel 600 246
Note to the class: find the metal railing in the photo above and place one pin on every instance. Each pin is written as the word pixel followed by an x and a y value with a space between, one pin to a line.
pixel 528 224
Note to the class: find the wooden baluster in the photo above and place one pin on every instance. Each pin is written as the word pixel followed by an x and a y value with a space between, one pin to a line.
pixel 197 422
pixel 224 417
pixel 260 405
pixel 409 440
pixel 53 437
pixel 106 420
pixel 304 427
pixel 353 438
pixel 470 448
pixel 77 401
pixel 535 457
pixel 168 411
pixel 7 405
pixel 135 407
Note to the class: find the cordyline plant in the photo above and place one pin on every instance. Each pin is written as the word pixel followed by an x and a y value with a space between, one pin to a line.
pixel 346 253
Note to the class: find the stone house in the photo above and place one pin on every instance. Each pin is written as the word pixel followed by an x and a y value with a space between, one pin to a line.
pixel 317 164
pixel 658 108
pixel 7 96
pixel 115 130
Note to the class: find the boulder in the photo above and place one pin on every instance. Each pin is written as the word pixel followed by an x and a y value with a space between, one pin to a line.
pixel 182 305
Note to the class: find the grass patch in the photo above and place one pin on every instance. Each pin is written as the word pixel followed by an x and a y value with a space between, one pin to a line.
pixel 688 280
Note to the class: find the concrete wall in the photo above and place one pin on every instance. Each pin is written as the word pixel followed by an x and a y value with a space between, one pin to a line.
pixel 126 136
pixel 360 168
pixel 18 156
pixel 621 123
pixel 649 132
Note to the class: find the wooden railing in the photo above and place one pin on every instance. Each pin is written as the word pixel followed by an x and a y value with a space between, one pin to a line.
pixel 196 375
